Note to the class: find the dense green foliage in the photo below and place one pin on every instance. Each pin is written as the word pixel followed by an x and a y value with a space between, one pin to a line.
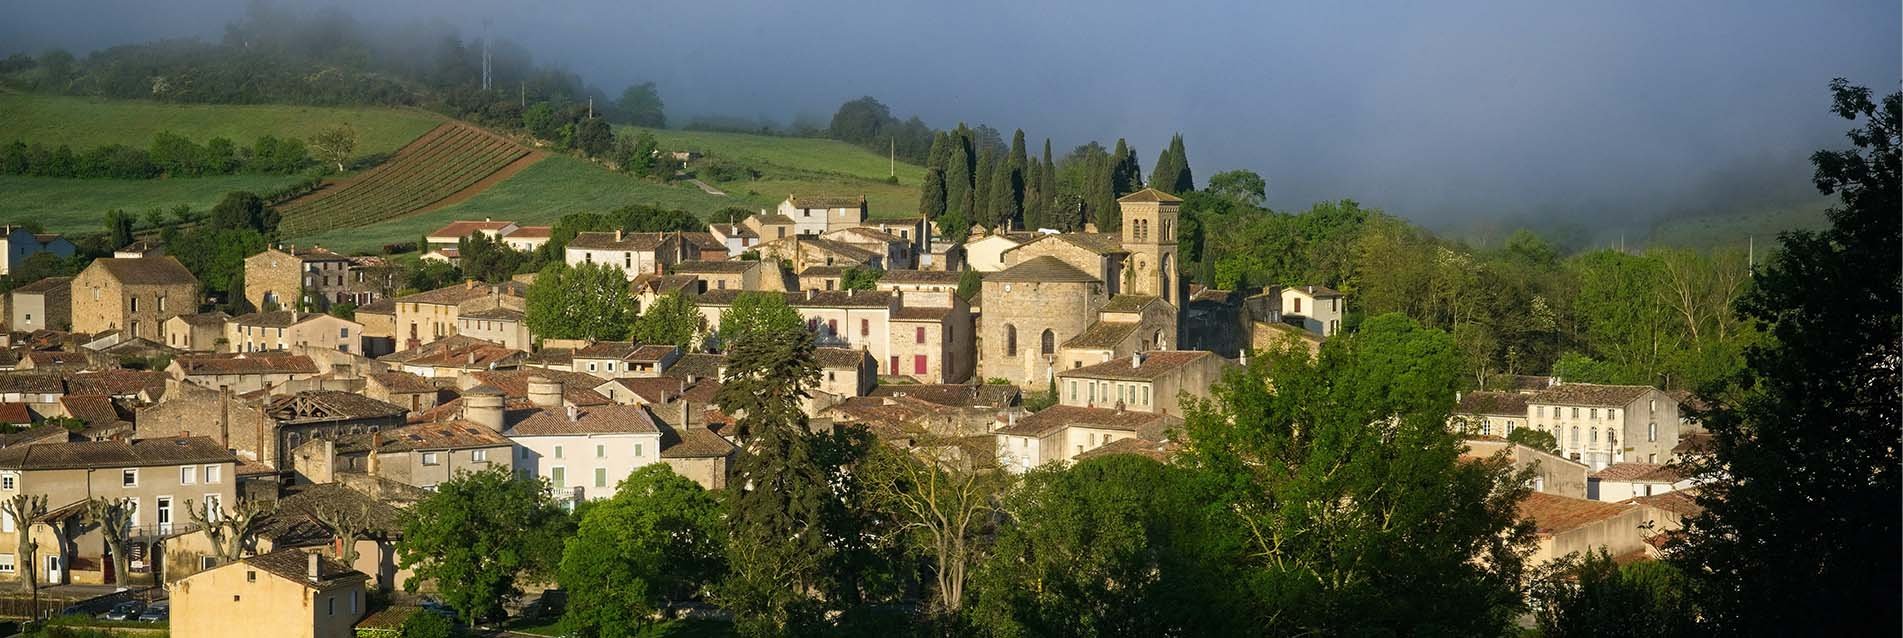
pixel 170 155
pixel 487 259
pixel 1804 450
pixel 757 313
pixel 480 532
pixel 658 540
pixel 586 301
pixel 673 320
pixel 1591 595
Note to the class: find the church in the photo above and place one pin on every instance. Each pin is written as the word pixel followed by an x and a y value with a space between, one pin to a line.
pixel 1069 300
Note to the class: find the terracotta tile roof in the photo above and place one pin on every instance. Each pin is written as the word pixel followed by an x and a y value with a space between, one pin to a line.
pixel 1680 502
pixel 30 382
pixel 294 520
pixel 1045 269
pixel 457 293
pixel 464 228
pixel 531 232
pixel 825 271
pixel 702 240
pixel 887 416
pixel 205 319
pixel 616 350
pixel 140 453
pixel 843 249
pixel 1692 443
pixel 956 395
pixel 1129 303
pixel 649 389
pixel 869 235
pixel 293 565
pixel 577 387
pixel 45 285
pixel 826 201
pixel 1493 403
pixel 1100 243
pixel 773 219
pixel 1157 450
pixel 651 353
pixel 1319 292
pixel 1552 513
pixel 495 314
pixel 312 406
pixel 114 382
pixel 694 442
pixel 378 307
pixel 146 271
pixel 1590 394
pixel 714 267
pixel 551 357
pixel 838 358
pixel 1639 473
pixel 55 358
pixel 276 319
pixel 15 414
pixel 402 382
pixel 637 242
pixel 246 364
pixel 661 284
pixel 459 351
pixel 389 619
pixel 95 410
pixel 920 313
pixel 1103 334
pixel 449 435
pixel 35 435
pixel 702 391
pixel 922 277
pixel 1150 195
pixel 732 230
pixel 699 366
pixel 840 299
pixel 1058 417
pixel 598 419
pixel 1152 365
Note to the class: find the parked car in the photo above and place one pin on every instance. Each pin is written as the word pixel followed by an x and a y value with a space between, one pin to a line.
pixel 128 610
pixel 158 612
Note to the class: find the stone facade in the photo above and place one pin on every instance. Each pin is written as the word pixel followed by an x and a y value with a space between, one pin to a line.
pixel 133 295
pixel 292 278
pixel 46 304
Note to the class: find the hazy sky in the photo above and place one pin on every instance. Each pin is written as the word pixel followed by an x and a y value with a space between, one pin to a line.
pixel 1583 110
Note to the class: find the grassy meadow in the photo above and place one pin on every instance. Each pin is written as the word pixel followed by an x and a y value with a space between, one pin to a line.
pixel 82 122
pixel 80 205
pixel 804 166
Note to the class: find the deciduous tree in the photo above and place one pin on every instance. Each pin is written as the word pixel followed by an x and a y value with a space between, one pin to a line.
pixel 334 145
pixel 479 534
pixel 585 301
pixel 660 539
pixel 673 320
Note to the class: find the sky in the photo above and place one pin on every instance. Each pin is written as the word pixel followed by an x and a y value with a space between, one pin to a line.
pixel 1585 113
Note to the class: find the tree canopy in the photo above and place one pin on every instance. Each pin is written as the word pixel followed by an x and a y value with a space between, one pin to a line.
pixel 585 301
pixel 478 534
pixel 659 539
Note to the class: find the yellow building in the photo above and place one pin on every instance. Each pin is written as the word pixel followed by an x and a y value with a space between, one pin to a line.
pixel 285 594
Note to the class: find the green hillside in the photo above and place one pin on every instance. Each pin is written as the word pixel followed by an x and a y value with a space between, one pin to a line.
pixel 80 205
pixel 803 165
pixel 86 122
pixel 1735 230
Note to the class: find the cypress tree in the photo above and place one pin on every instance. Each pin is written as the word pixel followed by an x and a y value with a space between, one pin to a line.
pixel 981 187
pixel 1126 174
pixel 1047 187
pixel 1171 173
pixel 1101 201
pixel 1019 159
pixel 931 197
pixel 1004 194
pixel 1033 198
pixel 1163 174
pixel 958 167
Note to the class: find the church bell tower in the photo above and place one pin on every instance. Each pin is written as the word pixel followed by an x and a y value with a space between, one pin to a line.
pixel 1149 234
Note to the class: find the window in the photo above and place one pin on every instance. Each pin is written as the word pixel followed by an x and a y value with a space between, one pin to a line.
pixel 9 481
pixel 865 330
pixel 1575 413
pixel 1575 436
pixel 1073 390
pixel 1592 435
pixel 1048 343
pixel 832 326
pixel 558 476
pixel 214 507
pixel 1010 340
pixel 479 456
pixel 430 458
pixel 343 333
pixel 6 521
pixel 558 451
pixel 353 600
pixel 601 477
pixel 1298 306
pixel 1654 403
pixel 1593 413
pixel 637 449
pixel 135 303
pixel 6 564
pixel 1612 414
pixel 161 303
pixel 188 475
pixel 208 562
pixel 1539 410
pixel 918 335
pixel 129 478
pixel 1651 433
pixel 330 605
pixel 601 451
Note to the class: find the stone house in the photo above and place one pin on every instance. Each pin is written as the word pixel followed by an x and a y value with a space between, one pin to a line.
pixel 201 332
pixel 326 415
pixel 1553 474
pixel 242 373
pixel 817 215
pixel 987 253
pixel 804 252
pixel 895 252
pixel 823 277
pixel 528 238
pixel 282 330
pixel 1061 432
pixel 293 523
pixel 768 227
pixel 132 295
pixel 1265 336
pixel 292 278
pixel 297 594
pixel 424 454
pixel 1487 413
pixel 844 373
pixel 1151 381
pixel 1316 309
pixel 702 246
pixel 503 326
pixel 634 254
pixel 425 317
pixel 733 275
pixel 453 357
pixel 413 392
pixel 1563 525
pixel 1622 481
pixel 39 391
pixel 161 476
pixel 379 327
pixel 737 238
pixel 46 304
pixel 17 244
pixel 931 337
pixel 1600 425
pixel 642 390
pixel 919 281
pixel 452 234
pixel 617 359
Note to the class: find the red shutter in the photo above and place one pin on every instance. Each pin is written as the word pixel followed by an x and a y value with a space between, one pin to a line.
pixel 895 364
pixel 918 364
pixel 921 335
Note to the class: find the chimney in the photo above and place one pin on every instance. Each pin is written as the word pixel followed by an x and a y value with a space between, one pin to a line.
pixel 574 413
pixel 545 393
pixel 311 571
pixel 809 294
pixel 617 234
pixel 472 357
pixel 1136 360
pixel 469 284
pixel 376 444
pixel 224 416
pixel 484 408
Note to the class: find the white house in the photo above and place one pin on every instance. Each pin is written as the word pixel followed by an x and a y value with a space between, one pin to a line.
pixel 1621 481
pixel 815 215
pixel 1315 308
pixel 584 452
pixel 1600 425
pixel 635 254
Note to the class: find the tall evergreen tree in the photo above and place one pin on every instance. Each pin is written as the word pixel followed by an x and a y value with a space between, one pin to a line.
pixel 981 188
pixel 1005 182
pixel 1033 197
pixel 780 500
pixel 1801 490
pixel 1171 173
pixel 1185 180
pixel 931 196
pixel 1126 173
pixel 1047 186
pixel 1100 197
pixel 959 164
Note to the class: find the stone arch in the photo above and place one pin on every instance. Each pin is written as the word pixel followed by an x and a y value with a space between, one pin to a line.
pixel 1164 272
pixel 1010 340
pixel 1048 342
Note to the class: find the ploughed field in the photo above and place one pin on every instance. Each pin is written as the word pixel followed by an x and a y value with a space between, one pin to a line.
pixel 450 160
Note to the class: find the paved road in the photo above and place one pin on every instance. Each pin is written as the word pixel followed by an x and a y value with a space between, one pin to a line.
pixel 708 188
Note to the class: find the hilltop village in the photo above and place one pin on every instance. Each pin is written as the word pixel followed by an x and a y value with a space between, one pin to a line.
pixel 242 448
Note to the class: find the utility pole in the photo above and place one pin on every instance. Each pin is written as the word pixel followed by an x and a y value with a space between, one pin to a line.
pixel 523 90
pixel 591 108
pixel 892 157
